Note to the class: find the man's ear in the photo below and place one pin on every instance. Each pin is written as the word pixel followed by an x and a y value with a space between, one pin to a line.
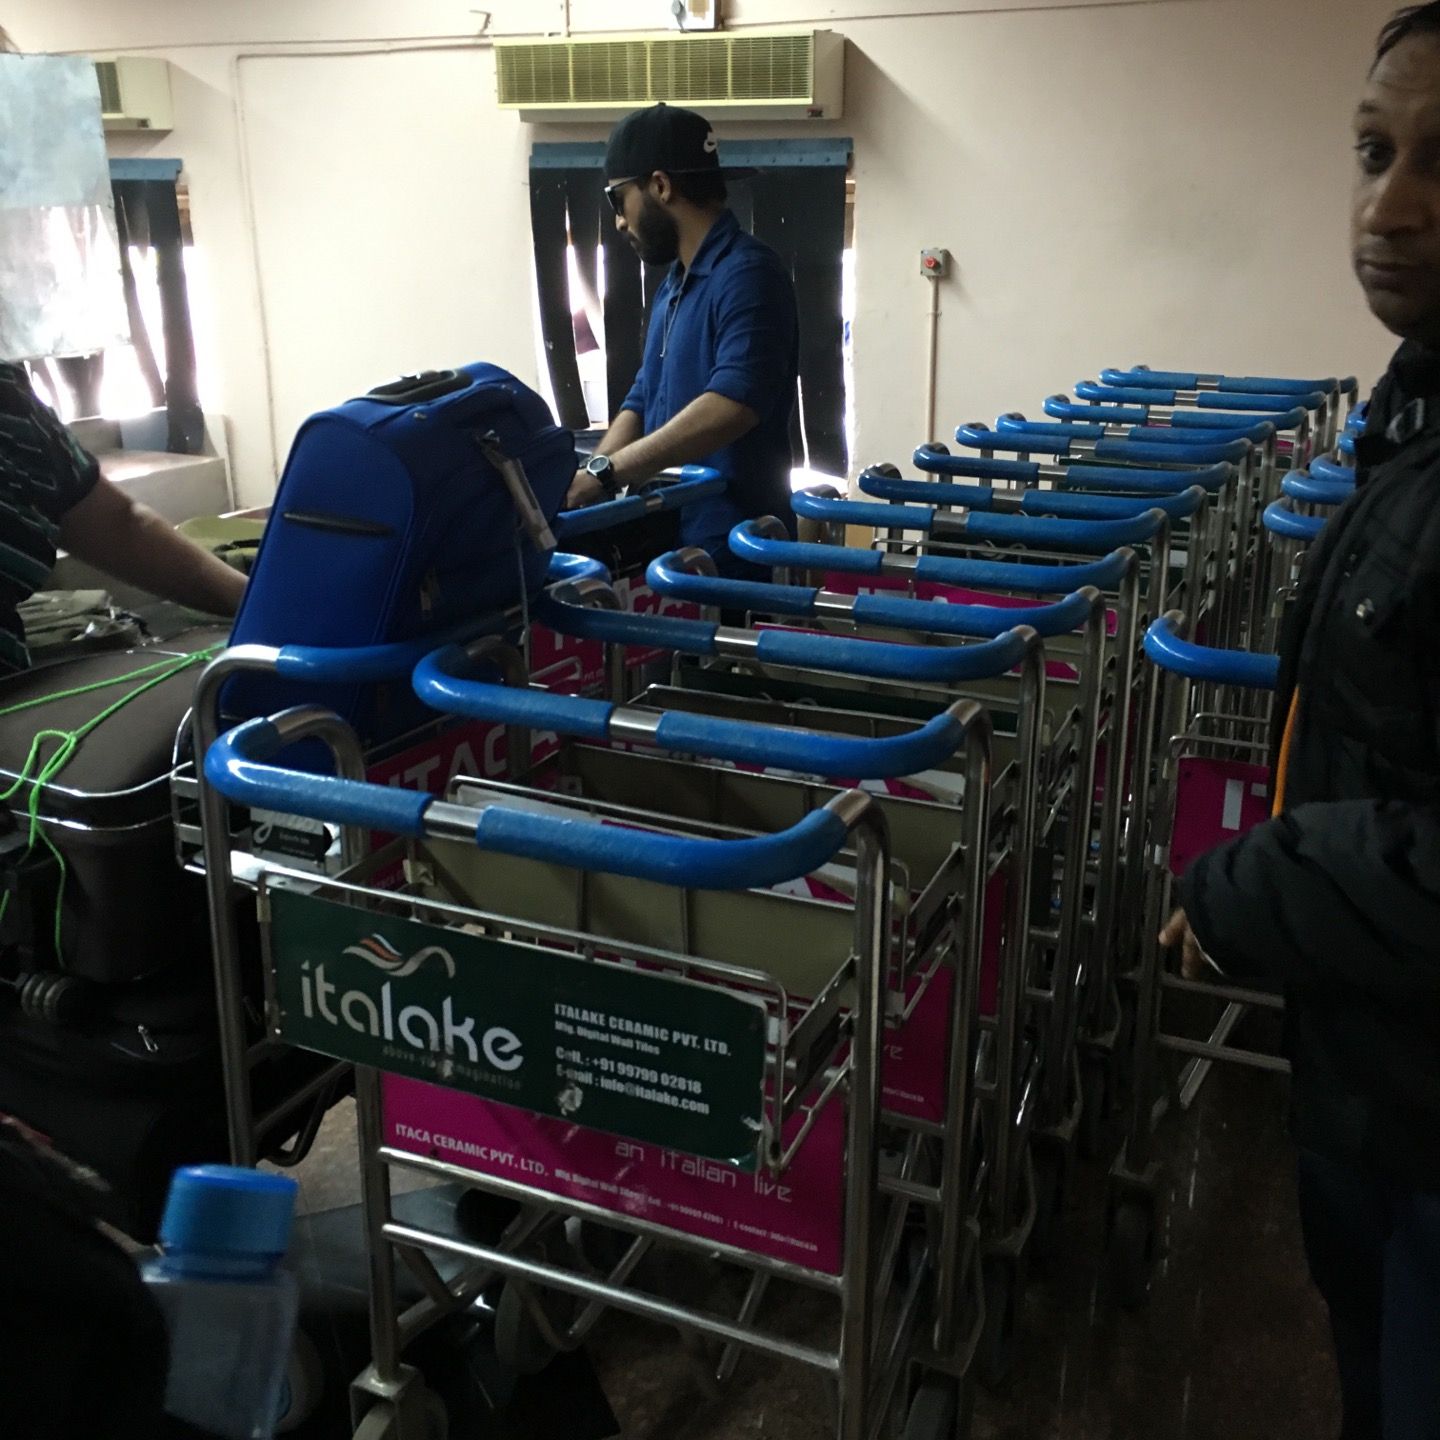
pixel 662 187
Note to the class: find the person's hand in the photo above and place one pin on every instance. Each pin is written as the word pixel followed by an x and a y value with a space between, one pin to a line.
pixel 584 490
pixel 1194 963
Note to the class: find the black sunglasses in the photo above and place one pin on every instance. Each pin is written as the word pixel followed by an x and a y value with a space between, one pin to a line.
pixel 612 193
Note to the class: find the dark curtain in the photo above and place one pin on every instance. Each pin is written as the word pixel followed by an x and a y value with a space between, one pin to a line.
pixel 147 215
pixel 797 210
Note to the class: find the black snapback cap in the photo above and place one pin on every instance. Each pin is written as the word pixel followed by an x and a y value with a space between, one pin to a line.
pixel 663 137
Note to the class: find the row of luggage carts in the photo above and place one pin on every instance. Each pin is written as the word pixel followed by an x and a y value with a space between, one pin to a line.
pixel 803 922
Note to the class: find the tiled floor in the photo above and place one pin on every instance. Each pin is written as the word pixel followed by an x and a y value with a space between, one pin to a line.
pixel 1232 1345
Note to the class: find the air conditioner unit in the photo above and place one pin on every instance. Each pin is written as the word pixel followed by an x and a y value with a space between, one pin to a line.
pixel 135 93
pixel 789 75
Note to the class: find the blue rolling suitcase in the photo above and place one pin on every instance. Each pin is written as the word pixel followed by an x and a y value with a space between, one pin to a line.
pixel 411 510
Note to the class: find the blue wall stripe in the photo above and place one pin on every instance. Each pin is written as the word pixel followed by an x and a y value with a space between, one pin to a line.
pixel 133 168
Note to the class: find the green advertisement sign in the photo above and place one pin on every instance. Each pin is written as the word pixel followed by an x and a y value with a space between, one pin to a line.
pixel 641 1054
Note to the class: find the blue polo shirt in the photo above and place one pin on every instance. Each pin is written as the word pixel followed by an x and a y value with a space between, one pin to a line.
pixel 728 325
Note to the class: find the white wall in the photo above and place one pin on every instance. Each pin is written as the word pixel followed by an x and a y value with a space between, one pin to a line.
pixel 1157 180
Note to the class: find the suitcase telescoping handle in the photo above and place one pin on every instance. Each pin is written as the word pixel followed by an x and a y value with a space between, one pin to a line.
pixel 447 681
pixel 1131 452
pixel 1143 375
pixel 415 389
pixel 236 766
pixel 1164 646
pixel 1057 504
pixel 689 575
pixel 749 541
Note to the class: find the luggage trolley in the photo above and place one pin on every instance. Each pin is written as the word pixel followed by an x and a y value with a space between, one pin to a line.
pixel 1341 394
pixel 1068 770
pixel 772 661
pixel 784 1049
pixel 1212 785
pixel 1291 524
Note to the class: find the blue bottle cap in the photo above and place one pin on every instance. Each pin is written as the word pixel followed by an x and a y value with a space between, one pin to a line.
pixel 228 1213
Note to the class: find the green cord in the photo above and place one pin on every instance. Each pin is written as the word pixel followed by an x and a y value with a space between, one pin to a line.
pixel 45 770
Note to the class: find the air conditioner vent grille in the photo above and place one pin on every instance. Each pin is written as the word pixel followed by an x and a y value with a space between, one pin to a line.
pixel 691 69
pixel 108 74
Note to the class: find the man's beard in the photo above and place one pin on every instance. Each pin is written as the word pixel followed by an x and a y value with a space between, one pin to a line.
pixel 655 235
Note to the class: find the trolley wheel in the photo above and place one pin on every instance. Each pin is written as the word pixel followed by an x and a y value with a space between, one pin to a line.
pixel 57 999
pixel 1004 1294
pixel 941 1409
pixel 1094 1104
pixel 484 1217
pixel 304 1384
pixel 382 1420
pixel 519 1344
pixel 1132 1252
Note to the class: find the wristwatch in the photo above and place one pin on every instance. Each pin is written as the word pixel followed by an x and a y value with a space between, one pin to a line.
pixel 602 467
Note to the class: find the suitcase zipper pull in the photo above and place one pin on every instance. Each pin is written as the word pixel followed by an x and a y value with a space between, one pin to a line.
pixel 148 1040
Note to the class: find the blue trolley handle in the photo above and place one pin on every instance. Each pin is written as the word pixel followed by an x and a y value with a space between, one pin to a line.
pixel 1079 506
pixel 1142 375
pixel 671 575
pixel 697 483
pixel 936 460
pixel 839 654
pixel 1327 470
pixel 749 543
pixel 1134 452
pixel 1283 522
pixel 235 766
pixel 1257 432
pixel 1205 400
pixel 1308 490
pixel 376 664
pixel 446 682
pixel 1094 537
pixel 1164 645
pixel 1247 426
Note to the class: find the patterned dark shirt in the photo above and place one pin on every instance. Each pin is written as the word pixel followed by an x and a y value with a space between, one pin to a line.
pixel 43 474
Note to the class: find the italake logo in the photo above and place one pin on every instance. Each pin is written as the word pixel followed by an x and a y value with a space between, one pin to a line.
pixel 418 1026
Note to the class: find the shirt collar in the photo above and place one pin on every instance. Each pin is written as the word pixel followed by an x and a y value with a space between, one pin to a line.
pixel 718 239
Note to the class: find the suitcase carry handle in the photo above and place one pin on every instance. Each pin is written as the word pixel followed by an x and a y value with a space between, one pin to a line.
pixel 1055 503
pixel 447 682
pixel 698 482
pixel 1208 433
pixel 839 654
pixel 671 575
pixel 1143 375
pixel 1206 400
pixel 413 389
pixel 1094 537
pixel 1187 452
pixel 1164 645
pixel 749 541
pixel 235 766
pixel 1283 522
pixel 1310 490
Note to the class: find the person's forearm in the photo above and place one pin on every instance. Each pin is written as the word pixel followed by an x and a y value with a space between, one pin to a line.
pixel 133 543
pixel 708 423
pixel 625 429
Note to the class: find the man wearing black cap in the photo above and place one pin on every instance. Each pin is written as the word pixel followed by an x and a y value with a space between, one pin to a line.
pixel 717 384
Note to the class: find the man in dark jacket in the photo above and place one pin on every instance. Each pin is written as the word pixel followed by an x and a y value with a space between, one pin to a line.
pixel 1338 896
